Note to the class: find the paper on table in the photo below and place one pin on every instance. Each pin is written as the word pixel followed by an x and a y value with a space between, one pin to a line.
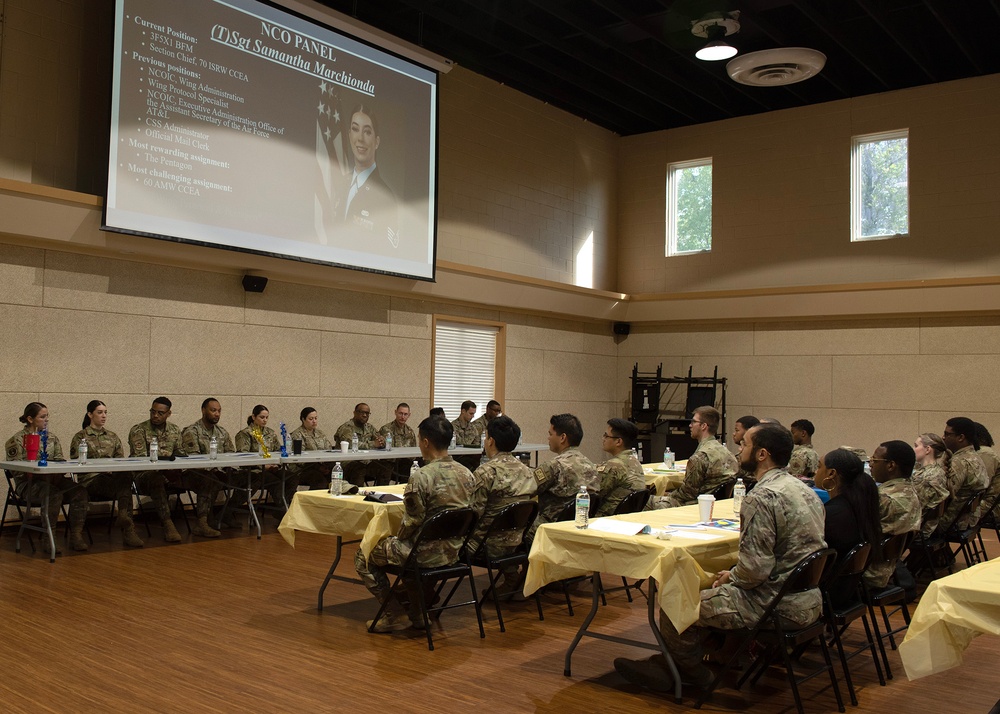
pixel 696 535
pixel 610 525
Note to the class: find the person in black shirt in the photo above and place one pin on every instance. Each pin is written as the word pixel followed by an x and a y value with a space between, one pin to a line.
pixel 852 513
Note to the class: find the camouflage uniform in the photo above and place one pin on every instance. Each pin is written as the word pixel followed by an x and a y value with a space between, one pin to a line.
pixel 804 462
pixel 558 482
pixel 441 485
pixel 466 433
pixel 992 463
pixel 61 488
pixel 315 476
pixel 710 466
pixel 900 509
pixel 782 523
pixel 480 426
pixel 104 444
pixel 269 477
pixel 620 476
pixel 966 475
pixel 931 484
pixel 385 469
pixel 195 439
pixel 358 472
pixel 499 482
pixel 153 483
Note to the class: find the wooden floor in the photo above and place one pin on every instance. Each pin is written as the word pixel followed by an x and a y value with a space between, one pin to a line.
pixel 231 626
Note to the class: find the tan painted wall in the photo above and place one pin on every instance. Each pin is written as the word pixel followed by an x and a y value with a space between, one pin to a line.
pixel 781 194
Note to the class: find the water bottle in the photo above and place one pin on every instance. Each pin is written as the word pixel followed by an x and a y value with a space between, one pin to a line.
pixel 868 469
pixel 454 441
pixel 739 491
pixel 482 442
pixel 154 449
pixel 414 468
pixel 582 507
pixel 337 480
pixel 388 442
pixel 82 451
pixel 354 443
pixel 213 448
pixel 668 458
pixel 635 455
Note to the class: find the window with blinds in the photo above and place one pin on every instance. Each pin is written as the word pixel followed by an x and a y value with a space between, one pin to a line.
pixel 465 365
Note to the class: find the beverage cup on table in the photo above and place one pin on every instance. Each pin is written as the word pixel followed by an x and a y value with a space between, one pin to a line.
pixel 296 446
pixel 32 443
pixel 345 447
pixel 706 502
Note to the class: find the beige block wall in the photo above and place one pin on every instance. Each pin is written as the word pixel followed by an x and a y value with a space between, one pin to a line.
pixel 781 194
pixel 860 382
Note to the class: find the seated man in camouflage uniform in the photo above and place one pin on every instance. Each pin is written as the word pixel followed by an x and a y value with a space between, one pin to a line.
pixel 467 434
pixel 358 472
pixel 402 437
pixel 493 410
pixel 168 441
pixel 710 466
pixel 499 482
pixel 899 506
pixel 196 439
pixel 559 480
pixel 622 473
pixel 782 523
pixel 805 460
pixel 966 472
pixel 440 485
pixel 992 463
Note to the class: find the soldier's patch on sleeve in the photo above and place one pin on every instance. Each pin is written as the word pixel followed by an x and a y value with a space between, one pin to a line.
pixel 12 451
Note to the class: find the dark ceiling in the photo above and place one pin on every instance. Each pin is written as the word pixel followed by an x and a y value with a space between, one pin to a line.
pixel 629 65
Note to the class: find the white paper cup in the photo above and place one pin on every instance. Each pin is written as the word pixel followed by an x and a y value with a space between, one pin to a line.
pixel 344 446
pixel 706 502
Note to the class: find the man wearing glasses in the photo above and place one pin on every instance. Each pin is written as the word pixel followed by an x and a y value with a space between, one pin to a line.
pixel 899 506
pixel 168 440
pixel 622 473
pixel 710 466
pixel 357 472
pixel 966 472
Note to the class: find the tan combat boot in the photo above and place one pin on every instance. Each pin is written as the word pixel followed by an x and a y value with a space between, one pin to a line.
pixel 201 528
pixel 170 533
pixel 130 537
pixel 394 619
pixel 77 517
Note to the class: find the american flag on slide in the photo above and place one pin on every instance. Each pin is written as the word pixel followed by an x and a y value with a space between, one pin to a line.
pixel 331 159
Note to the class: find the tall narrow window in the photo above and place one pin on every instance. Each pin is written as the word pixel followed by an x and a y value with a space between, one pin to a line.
pixel 689 207
pixel 468 363
pixel 880 189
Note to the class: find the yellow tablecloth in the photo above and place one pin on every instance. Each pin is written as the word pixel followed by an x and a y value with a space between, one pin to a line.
pixel 350 517
pixel 681 566
pixel 951 612
pixel 662 479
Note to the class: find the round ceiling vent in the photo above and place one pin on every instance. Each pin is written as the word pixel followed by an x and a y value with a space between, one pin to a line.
pixel 773 68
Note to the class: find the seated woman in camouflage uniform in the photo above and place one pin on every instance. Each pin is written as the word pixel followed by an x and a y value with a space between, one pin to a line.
pixel 36 419
pixel 246 441
pixel 104 444
pixel 315 476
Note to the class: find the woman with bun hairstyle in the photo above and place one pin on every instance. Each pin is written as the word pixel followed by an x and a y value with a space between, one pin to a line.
pixel 104 444
pixel 247 442
pixel 62 488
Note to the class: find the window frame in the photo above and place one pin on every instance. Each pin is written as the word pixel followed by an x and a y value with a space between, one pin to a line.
pixel 672 170
pixel 857 142
pixel 499 364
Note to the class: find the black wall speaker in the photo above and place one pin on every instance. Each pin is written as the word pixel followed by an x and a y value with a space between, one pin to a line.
pixel 254 283
pixel 622 328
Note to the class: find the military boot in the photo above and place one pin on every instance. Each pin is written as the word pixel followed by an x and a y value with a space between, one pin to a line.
pixel 162 506
pixel 201 528
pixel 394 619
pixel 129 536
pixel 77 518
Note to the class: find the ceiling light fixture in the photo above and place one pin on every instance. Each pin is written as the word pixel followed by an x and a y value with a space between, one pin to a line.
pixel 715 27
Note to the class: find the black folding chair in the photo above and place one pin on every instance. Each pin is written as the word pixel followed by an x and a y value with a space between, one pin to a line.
pixel 968 539
pixel 21 506
pixel 846 583
pixel 925 551
pixel 769 631
pixel 892 594
pixel 724 490
pixel 451 524
pixel 513 518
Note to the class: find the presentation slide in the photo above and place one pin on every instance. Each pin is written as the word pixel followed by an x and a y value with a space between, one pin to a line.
pixel 238 125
